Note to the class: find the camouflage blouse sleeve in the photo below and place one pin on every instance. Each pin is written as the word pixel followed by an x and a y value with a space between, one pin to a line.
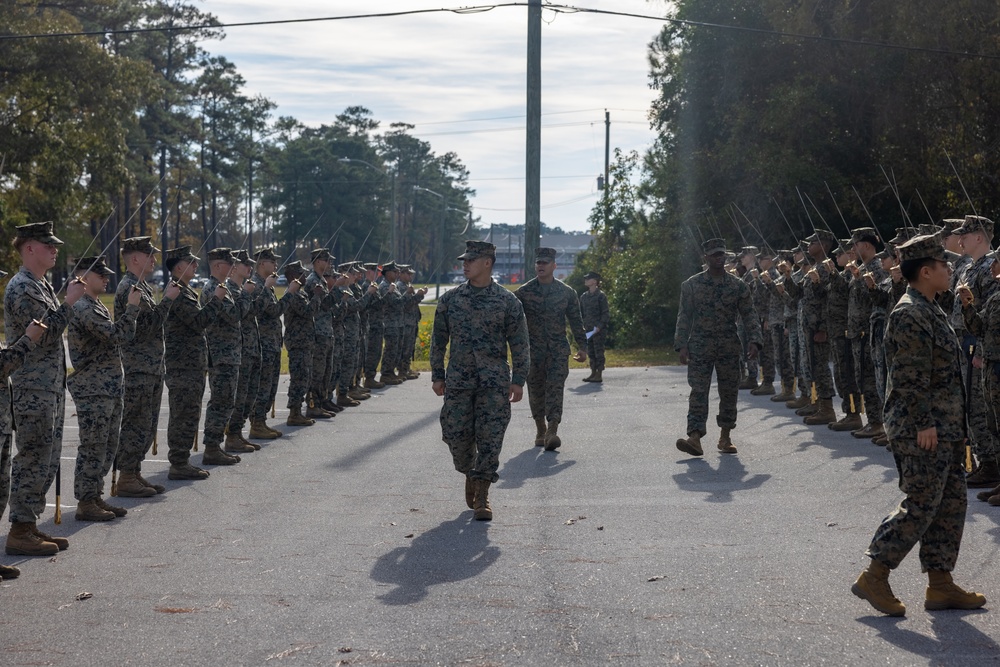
pixel 517 340
pixel 439 339
pixel 575 319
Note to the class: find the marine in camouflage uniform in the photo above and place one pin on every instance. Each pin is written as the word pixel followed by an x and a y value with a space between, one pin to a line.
pixel 300 327
pixel 479 320
pixel 925 423
pixel 185 358
pixel 746 267
pixel 353 302
pixel 225 347
pixel 39 387
pixel 859 314
pixel 816 326
pixel 411 321
pixel 976 234
pixel 250 357
pixel 840 346
pixel 549 306
pixel 324 304
pixel 373 304
pixel 376 329
pixel 777 319
pixel 97 384
pixel 392 323
pixel 143 362
pixel 268 309
pixel 11 358
pixel 596 315
pixel 705 337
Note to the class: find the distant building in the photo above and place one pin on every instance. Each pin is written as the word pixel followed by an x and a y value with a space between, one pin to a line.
pixel 510 251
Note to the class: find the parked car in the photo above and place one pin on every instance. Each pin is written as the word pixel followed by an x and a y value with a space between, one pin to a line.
pixel 282 281
pixel 457 280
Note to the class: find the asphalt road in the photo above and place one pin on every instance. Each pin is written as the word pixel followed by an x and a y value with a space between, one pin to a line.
pixel 349 543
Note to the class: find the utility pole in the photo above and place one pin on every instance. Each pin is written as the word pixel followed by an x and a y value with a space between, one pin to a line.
pixel 607 166
pixel 533 153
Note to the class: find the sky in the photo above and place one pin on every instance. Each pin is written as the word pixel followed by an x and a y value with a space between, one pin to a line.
pixel 461 80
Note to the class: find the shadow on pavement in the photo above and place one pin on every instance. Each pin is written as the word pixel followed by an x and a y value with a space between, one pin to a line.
pixel 955 641
pixel 357 456
pixel 529 464
pixel 720 483
pixel 587 388
pixel 456 550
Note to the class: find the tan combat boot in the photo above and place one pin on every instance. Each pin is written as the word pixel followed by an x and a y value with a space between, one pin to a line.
pixel 186 471
pixel 987 475
pixel 389 378
pixel 540 432
pixel 88 510
pixel 316 412
pixel 114 509
pixel 808 410
pixel 260 430
pixel 129 486
pixel 597 377
pixel 412 375
pixel 246 442
pixel 787 393
pixel 873 430
pixel 295 418
pixel 234 444
pixel 372 383
pixel 481 505
pixel 470 492
pixel 691 444
pixel 60 542
pixel 346 401
pixel 765 389
pixel 800 402
pixel 726 445
pixel 943 593
pixel 158 488
pixel 9 572
pixel 590 378
pixel 552 441
pixel 850 422
pixel 823 415
pixel 214 456
pixel 358 395
pixel 22 541
pixel 748 383
pixel 873 585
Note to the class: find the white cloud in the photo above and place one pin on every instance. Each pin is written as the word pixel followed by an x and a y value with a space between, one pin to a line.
pixel 430 68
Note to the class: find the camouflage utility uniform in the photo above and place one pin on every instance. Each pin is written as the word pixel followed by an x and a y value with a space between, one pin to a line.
pixel 706 326
pixel 547 310
pixel 595 313
pixel 924 389
pixel 480 324
pixel 97 384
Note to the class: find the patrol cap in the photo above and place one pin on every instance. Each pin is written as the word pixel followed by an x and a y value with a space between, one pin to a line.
pixel 864 235
pixel 592 275
pixel 822 236
pixel 545 255
pixel 267 254
pixel 713 246
pixel 927 229
pixel 903 234
pixel 243 257
pixel 180 254
pixel 96 263
pixel 950 225
pixel 37 231
pixel 320 254
pixel 924 246
pixel 221 254
pixel 294 269
pixel 141 244
pixel 972 224
pixel 477 249
pixel 389 266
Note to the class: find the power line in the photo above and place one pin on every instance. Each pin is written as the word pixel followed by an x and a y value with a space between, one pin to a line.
pixel 563 9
